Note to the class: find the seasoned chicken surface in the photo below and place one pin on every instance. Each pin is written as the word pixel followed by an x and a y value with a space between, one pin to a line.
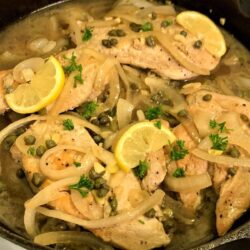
pixel 233 201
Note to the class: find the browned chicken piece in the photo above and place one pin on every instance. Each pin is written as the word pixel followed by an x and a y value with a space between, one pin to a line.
pixel 220 107
pixel 156 172
pixel 192 166
pixel 141 234
pixel 234 200
pixel 133 49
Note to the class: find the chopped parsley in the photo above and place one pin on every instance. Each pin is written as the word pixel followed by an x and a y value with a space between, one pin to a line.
pixel 218 142
pixel 72 67
pixel 83 186
pixel 158 124
pixel 147 27
pixel 87 34
pixel 178 151
pixel 77 164
pixel 68 124
pixel 179 172
pixel 153 113
pixel 88 109
pixel 31 151
pixel 220 126
pixel 141 170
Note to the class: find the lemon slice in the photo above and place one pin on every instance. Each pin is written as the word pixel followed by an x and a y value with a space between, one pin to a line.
pixel 138 140
pixel 44 88
pixel 204 28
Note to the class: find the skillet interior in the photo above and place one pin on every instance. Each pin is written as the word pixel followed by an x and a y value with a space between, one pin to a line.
pixel 239 26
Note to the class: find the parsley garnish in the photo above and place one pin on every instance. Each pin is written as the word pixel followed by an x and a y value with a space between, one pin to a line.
pixel 147 27
pixel 87 34
pixel 153 112
pixel 219 143
pixel 220 126
pixel 73 66
pixel 141 170
pixel 68 124
pixel 158 124
pixel 31 151
pixel 83 186
pixel 178 151
pixel 77 164
pixel 88 109
pixel 179 172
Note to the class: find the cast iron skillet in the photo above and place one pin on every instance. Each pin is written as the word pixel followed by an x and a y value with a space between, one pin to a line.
pixel 237 14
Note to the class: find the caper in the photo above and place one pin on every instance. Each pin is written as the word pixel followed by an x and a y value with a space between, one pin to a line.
pixel 169 225
pixel 99 182
pixel 20 173
pixel 37 179
pixel 95 122
pixel 9 141
pixel 112 33
pixel 232 171
pixel 166 23
pixel 207 97
pixel 234 152
pixel 98 139
pixel 134 86
pixel 50 143
pixel 106 43
pixel 94 175
pixel 113 42
pixel 29 140
pixel 40 150
pixel 20 131
pixel 103 119
pixel 183 33
pixel 150 41
pixel 113 203
pixel 102 191
pixel 151 213
pixel 135 27
pixel 183 113
pixel 197 44
pixel 244 118
pixel 117 32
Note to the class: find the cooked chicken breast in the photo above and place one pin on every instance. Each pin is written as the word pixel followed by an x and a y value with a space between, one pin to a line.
pixel 233 201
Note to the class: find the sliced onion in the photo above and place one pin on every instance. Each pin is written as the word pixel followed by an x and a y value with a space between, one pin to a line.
pixel 222 159
pixel 168 45
pixel 167 10
pixel 50 193
pixel 29 221
pixel 53 174
pixel 32 63
pixel 15 125
pixel 124 112
pixel 188 183
pixel 142 208
pixel 65 237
